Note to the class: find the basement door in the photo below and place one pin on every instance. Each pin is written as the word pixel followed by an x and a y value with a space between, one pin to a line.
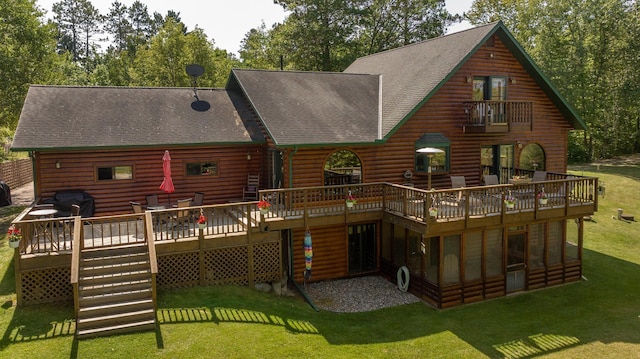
pixel 516 262
pixel 362 248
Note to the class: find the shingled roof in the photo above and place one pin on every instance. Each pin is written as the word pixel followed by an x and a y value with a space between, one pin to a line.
pixel 63 117
pixel 312 108
pixel 411 74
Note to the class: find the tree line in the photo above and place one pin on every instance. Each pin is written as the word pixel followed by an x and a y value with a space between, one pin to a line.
pixel 588 48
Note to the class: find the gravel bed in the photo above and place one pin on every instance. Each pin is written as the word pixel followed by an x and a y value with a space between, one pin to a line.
pixel 361 294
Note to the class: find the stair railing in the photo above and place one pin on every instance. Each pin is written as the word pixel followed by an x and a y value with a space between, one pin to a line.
pixel 153 262
pixel 76 248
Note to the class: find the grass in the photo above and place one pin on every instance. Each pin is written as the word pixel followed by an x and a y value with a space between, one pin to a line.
pixel 599 317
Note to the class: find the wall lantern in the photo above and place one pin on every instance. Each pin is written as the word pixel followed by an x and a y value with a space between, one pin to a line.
pixel 469 79
pixel 58 164
pixel 248 156
pixel 513 80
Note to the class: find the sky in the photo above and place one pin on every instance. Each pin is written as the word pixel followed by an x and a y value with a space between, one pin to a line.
pixel 227 21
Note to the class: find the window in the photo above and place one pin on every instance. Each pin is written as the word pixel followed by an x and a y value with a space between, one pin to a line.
pixel 494 253
pixel 439 162
pixel 571 248
pixel 451 257
pixel 491 88
pixel 532 157
pixel 555 243
pixel 536 245
pixel 109 173
pixel 202 169
pixel 473 256
pixel 342 167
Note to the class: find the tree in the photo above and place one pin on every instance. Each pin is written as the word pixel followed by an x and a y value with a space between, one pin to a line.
pixel 164 62
pixel 27 54
pixel 78 22
pixel 319 33
pixel 387 24
pixel 328 35
pixel 118 25
pixel 258 51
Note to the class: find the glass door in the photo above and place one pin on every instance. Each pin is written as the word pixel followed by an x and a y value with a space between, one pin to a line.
pixel 498 160
pixel 362 248
pixel 516 262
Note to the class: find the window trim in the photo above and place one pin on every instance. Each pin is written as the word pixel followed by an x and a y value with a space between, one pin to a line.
pixel 437 140
pixel 113 166
pixel 201 163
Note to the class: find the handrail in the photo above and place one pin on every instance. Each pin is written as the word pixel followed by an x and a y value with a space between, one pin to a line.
pixel 75 262
pixel 153 261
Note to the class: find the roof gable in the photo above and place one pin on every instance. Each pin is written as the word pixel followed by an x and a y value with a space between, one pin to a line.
pixel 312 108
pixel 61 117
pixel 413 73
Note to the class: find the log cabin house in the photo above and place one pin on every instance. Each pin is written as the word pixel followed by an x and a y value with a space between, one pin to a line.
pixel 313 138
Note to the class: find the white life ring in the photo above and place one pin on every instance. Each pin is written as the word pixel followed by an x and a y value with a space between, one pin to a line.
pixel 403 278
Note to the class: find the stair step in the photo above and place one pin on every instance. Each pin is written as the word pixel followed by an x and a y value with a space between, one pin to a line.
pixel 112 308
pixel 106 278
pixel 114 269
pixel 117 329
pixel 111 298
pixel 107 288
pixel 115 251
pixel 114 259
pixel 110 320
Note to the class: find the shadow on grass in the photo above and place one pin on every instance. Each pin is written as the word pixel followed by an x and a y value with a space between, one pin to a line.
pixel 35 323
pixel 600 309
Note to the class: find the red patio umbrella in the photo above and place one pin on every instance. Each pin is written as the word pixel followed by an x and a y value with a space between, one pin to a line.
pixel 167 182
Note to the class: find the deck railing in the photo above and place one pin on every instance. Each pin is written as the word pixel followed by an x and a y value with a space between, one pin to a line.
pixel 51 235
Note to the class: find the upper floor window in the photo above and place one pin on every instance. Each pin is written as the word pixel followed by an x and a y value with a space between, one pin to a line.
pixel 108 173
pixel 491 88
pixel 202 168
pixel 439 162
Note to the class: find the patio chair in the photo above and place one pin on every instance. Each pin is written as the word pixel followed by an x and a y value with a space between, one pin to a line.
pixel 136 207
pixel 458 182
pixel 198 199
pixel 491 180
pixel 180 217
pixel 250 192
pixel 539 176
pixel 152 200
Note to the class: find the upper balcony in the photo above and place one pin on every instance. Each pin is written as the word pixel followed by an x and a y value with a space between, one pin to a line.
pixel 498 116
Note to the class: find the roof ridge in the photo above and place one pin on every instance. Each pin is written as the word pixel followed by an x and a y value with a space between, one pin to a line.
pixel 321 73
pixel 124 87
pixel 404 47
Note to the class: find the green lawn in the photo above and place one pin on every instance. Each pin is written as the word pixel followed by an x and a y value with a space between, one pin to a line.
pixel 599 317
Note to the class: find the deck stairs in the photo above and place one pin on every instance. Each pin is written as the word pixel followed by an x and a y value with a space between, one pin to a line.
pixel 115 291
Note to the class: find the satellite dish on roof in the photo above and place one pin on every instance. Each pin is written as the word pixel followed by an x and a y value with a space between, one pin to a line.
pixel 195 70
pixel 200 106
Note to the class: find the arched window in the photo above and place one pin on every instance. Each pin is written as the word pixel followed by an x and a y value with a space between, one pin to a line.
pixel 532 157
pixel 342 167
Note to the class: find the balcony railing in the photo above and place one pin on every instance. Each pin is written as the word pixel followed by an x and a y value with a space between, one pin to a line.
pixel 498 116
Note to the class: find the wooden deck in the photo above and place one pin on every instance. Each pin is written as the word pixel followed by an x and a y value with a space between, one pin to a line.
pixel 298 208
